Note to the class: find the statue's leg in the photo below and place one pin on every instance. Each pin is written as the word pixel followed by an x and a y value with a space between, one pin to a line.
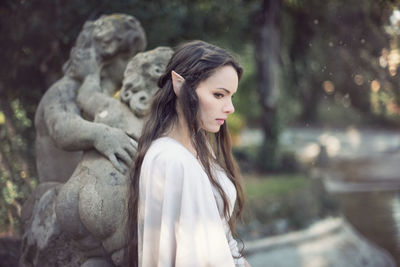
pixel 69 218
pixel 116 246
pixel 103 211
pixel 118 257
pixel 97 262
pixel 44 243
pixel 67 208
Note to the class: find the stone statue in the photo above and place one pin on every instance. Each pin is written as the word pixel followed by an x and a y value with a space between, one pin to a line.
pixel 67 124
pixel 92 205
pixel 62 131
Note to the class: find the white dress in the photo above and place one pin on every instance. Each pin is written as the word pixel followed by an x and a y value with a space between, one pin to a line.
pixel 179 222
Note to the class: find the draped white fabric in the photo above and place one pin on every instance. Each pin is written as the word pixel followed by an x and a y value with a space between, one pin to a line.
pixel 181 222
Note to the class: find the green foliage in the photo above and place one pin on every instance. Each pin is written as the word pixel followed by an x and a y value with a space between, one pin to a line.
pixel 20 114
pixel 235 123
pixel 282 203
pixel 16 164
pixel 267 157
pixel 9 192
pixel 276 185
pixel 332 114
pixel 15 182
pixel 246 100
pixel 332 50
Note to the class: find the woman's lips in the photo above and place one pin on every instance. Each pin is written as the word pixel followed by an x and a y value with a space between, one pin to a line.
pixel 220 121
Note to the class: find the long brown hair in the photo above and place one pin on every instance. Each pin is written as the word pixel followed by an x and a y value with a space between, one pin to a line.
pixel 194 61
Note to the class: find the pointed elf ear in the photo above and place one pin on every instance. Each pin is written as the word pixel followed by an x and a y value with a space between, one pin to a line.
pixel 177 81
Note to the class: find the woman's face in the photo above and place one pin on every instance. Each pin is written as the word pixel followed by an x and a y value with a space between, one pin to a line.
pixel 215 98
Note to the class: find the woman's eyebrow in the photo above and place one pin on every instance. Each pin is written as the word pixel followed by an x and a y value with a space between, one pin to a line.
pixel 226 90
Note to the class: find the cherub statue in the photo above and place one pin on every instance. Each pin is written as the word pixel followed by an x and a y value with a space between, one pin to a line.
pixel 92 206
pixel 64 130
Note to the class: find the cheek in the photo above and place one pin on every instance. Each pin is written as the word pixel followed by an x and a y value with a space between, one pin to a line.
pixel 206 108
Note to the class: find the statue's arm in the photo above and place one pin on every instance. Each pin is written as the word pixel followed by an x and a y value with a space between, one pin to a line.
pixel 63 119
pixel 72 132
pixel 90 97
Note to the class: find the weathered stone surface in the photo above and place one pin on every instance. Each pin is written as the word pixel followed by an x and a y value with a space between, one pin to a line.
pixel 140 81
pixel 27 208
pixel 79 218
pixel 331 242
pixel 64 129
pixel 96 194
pixel 43 243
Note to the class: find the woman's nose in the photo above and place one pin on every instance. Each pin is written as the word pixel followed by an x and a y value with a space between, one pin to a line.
pixel 229 108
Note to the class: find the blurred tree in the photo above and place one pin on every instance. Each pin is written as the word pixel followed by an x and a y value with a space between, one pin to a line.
pixel 267 50
pixel 310 52
pixel 333 52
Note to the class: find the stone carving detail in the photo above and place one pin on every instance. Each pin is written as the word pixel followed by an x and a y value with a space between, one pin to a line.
pixel 86 137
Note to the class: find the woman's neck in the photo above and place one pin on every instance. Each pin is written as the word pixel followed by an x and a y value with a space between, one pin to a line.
pixel 180 132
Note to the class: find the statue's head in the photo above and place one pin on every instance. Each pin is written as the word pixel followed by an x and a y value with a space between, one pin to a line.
pixel 110 36
pixel 80 51
pixel 118 33
pixel 141 76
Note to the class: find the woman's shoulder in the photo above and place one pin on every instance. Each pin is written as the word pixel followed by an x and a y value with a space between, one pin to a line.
pixel 168 150
pixel 167 158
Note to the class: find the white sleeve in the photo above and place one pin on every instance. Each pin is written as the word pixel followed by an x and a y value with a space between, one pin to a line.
pixel 179 218
pixel 239 261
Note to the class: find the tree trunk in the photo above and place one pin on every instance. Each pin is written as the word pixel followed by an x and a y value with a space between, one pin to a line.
pixel 267 42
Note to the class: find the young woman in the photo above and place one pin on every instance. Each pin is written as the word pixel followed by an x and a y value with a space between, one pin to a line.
pixel 185 182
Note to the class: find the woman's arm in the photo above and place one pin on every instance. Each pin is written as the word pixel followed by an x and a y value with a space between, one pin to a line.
pixel 241 261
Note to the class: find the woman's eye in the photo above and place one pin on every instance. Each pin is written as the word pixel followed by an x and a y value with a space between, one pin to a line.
pixel 218 95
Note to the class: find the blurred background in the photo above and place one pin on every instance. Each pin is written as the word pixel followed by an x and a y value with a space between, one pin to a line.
pixel 317 120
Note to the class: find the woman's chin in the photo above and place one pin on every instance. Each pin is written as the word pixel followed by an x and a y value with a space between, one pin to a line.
pixel 212 129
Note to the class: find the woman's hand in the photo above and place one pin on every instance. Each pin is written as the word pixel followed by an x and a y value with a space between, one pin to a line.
pixel 246 263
